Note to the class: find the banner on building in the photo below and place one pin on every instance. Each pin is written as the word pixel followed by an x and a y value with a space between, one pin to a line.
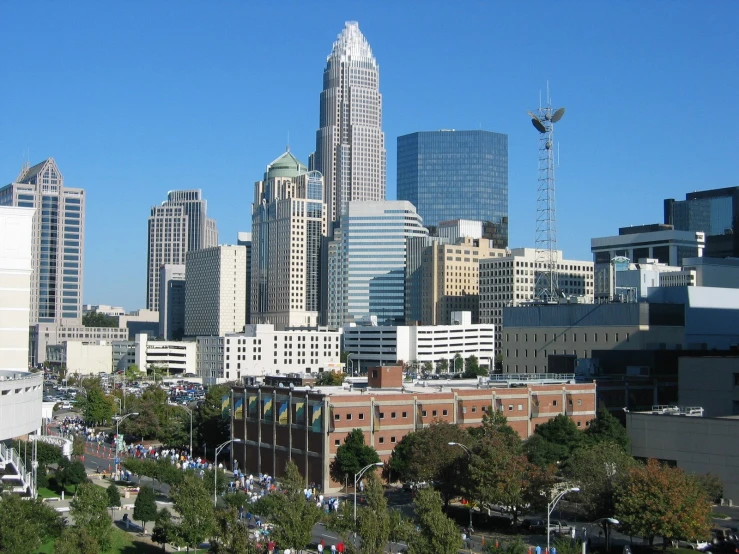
pixel 282 416
pixel 252 405
pixel 299 412
pixel 225 406
pixel 317 418
pixel 239 407
pixel 267 408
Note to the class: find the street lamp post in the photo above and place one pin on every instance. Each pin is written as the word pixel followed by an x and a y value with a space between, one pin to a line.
pixel 552 505
pixel 189 411
pixel 351 362
pixel 117 439
pixel 357 477
pixel 119 404
pixel 469 455
pixel 215 468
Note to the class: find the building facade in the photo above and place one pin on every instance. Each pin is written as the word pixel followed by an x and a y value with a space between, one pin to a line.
pixel 307 425
pixel 452 174
pixel 533 335
pixel 43 335
pixel 16 247
pixel 369 346
pixel 244 239
pixel 367 262
pixel 350 145
pixel 140 321
pixel 414 249
pixel 288 245
pixel 82 358
pixel 712 212
pixel 112 311
pixel 214 291
pixel 450 279
pixel 57 241
pixel 262 350
pixel 180 225
pixel 173 357
pixel 511 280
pixel 172 301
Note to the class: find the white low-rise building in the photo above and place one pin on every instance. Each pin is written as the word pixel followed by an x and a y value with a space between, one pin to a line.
pixel 261 350
pixel 43 335
pixel 370 346
pixel 175 357
pixel 82 358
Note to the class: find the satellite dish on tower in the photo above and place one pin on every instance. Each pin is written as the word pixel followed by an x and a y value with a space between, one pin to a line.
pixel 558 115
pixel 539 127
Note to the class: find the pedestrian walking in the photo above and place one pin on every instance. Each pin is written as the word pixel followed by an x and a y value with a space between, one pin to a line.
pixel 537 549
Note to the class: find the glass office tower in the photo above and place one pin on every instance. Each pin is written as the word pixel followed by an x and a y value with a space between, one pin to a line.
pixel 457 175
pixel 712 211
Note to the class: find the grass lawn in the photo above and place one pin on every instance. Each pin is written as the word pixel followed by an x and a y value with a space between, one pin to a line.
pixel 123 543
pixel 721 515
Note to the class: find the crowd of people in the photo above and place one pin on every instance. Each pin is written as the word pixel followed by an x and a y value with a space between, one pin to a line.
pixel 72 426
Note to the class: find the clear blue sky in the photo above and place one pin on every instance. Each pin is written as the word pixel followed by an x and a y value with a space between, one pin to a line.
pixel 137 98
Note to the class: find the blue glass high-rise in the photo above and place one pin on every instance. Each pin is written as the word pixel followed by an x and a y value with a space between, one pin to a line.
pixel 457 175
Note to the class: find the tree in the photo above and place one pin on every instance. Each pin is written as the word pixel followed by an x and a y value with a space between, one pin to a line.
pixel 133 373
pixel 26 523
pixel 428 367
pixel 233 537
pixel 712 487
pixel 294 517
pixel 114 497
pixel 95 319
pixel 598 469
pixel 606 428
pixel 77 540
pixel 442 366
pixel 437 533
pixel 210 427
pixel 495 425
pixel 375 523
pixel 97 407
pixel 330 379
pixel 425 455
pixel 658 500
pixel 78 446
pixel 555 441
pixel 472 368
pixel 352 456
pixel 162 532
pixel 71 473
pixel 502 476
pixel 195 505
pixel 145 507
pixel 89 510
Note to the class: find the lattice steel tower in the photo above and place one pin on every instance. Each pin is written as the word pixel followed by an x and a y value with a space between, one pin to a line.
pixel 546 282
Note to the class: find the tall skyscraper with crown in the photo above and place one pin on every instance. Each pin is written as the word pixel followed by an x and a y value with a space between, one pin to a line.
pixel 350 144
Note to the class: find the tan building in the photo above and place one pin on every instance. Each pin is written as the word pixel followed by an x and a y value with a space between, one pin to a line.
pixel 532 335
pixel 288 235
pixel 307 425
pixel 510 281
pixel 450 279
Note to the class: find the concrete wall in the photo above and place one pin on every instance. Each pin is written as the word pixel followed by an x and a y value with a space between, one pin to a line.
pixel 20 403
pixel 711 383
pixel 697 444
pixel 88 359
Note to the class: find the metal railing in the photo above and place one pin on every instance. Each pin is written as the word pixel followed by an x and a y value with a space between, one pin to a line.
pixel 526 377
pixel 26 477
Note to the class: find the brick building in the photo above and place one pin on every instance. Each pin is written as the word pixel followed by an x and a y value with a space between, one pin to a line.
pixel 308 424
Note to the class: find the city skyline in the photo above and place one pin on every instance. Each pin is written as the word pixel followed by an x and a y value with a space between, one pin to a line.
pixel 474 67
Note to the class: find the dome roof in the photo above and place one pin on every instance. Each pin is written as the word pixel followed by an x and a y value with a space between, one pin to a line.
pixel 286 165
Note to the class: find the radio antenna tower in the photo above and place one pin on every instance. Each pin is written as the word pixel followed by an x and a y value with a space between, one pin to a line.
pixel 547 286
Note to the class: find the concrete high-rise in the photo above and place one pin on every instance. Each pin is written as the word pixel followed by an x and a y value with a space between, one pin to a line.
pixel 244 239
pixel 367 262
pixel 288 245
pixel 180 225
pixel 350 144
pixel 215 288
pixel 452 174
pixel 58 241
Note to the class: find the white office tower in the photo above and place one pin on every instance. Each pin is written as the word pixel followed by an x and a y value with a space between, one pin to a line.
pixel 367 262
pixel 215 291
pixel 288 233
pixel 57 241
pixel 350 144
pixel 16 226
pixel 180 225
pixel 172 301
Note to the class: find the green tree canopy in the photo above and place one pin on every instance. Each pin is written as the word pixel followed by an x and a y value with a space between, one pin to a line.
pixel 197 517
pixel 77 540
pixel 26 523
pixel 495 425
pixel 210 427
pixel 472 368
pixel 294 517
pixel 658 500
pixel 554 441
pixel 163 530
pixel 97 407
pixel 95 319
pixel 428 367
pixel 437 533
pixel 90 512
pixel 352 456
pixel 145 507
pixel 71 473
pixel 374 524
pixel 330 378
pixel 233 537
pixel 598 469
pixel 114 497
pixel 133 373
pixel 606 428
pixel 442 366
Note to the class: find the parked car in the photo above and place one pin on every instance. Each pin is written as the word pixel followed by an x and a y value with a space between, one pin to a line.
pixel 534 525
pixel 65 406
pixel 692 544
pixel 559 527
